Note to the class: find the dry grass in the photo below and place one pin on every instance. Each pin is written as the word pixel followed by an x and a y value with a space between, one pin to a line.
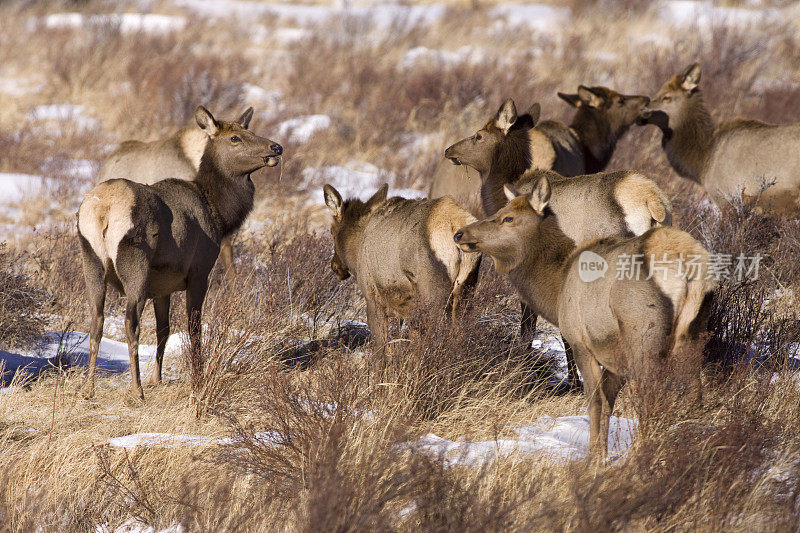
pixel 278 347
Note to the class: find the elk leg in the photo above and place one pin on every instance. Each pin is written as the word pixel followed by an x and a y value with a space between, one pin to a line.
pixel 591 372
pixel 527 326
pixel 133 316
pixel 195 294
pixel 465 282
pixel 226 251
pixel 611 385
pixel 378 327
pixel 94 274
pixel 161 308
pixel 572 369
pixel 133 266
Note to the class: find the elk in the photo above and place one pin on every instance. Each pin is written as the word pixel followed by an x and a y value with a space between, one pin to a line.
pixel 623 203
pixel 177 156
pixel 149 241
pixel 619 328
pixel 737 157
pixel 401 253
pixel 510 144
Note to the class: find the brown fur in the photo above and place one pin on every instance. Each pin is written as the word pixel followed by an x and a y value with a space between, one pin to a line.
pixel 737 157
pixel 508 145
pixel 152 240
pixel 176 156
pixel 401 253
pixel 618 328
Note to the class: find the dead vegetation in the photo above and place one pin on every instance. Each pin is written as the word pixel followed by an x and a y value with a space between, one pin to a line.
pixel 282 353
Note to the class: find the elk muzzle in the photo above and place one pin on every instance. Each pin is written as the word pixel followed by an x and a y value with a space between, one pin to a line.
pixel 274 158
pixel 463 243
pixel 449 154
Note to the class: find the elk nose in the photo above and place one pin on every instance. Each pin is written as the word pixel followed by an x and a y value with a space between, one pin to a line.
pixel 457 236
pixel 646 112
pixel 277 149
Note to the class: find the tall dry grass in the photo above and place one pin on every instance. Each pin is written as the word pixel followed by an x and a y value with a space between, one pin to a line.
pixel 318 431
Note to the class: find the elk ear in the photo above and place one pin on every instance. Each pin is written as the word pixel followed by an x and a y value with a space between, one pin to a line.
pixel 510 192
pixel 571 99
pixel 206 121
pixel 690 78
pixel 244 120
pixel 379 197
pixel 506 116
pixel 333 200
pixel 589 97
pixel 540 196
pixel 535 110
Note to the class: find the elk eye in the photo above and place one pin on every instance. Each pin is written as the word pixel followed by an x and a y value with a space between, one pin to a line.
pixel 508 219
pixel 666 98
pixel 478 136
pixel 235 139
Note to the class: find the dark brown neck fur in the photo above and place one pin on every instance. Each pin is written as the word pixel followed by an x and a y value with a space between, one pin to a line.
pixel 540 277
pixel 689 138
pixel 511 158
pixel 229 197
pixel 596 137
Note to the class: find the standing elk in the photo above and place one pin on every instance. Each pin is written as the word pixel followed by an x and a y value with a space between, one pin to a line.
pixel 177 156
pixel 401 253
pixel 152 240
pixel 737 157
pixel 619 328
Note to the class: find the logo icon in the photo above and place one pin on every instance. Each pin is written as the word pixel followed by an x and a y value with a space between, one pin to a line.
pixel 591 266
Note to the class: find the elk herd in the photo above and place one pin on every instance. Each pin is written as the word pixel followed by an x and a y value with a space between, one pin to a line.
pixel 532 195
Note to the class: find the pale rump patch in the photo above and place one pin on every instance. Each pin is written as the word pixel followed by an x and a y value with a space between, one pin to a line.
pixel 104 217
pixel 543 155
pixel 193 143
pixel 445 219
pixel 644 204
pixel 685 286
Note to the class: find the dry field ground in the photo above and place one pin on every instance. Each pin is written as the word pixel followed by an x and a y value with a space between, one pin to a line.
pixel 311 438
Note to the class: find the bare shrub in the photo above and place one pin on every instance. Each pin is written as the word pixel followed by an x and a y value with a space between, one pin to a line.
pixel 21 304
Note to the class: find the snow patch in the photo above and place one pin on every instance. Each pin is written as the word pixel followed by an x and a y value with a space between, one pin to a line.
pixel 132 525
pixel 541 18
pixel 421 55
pixel 559 439
pixel 63 113
pixel 15 187
pixel 690 13
pixel 381 17
pixel 127 22
pixel 356 179
pixel 300 129
pixel 112 356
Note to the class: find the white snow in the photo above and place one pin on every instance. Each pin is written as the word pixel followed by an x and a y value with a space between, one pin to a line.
pixel 383 16
pixel 541 18
pixel 422 55
pixel 18 87
pixel 704 15
pixel 63 113
pixel 301 129
pixel 356 179
pixel 172 440
pixel 127 22
pixel 15 187
pixel 112 357
pixel 562 438
pixel 132 525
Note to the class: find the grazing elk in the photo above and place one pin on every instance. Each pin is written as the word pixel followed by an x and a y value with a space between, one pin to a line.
pixel 152 240
pixel 736 157
pixel 619 328
pixel 401 253
pixel 177 156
